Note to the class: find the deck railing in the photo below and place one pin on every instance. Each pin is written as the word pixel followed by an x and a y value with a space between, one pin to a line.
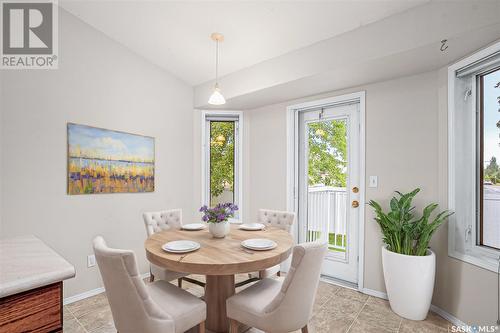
pixel 327 216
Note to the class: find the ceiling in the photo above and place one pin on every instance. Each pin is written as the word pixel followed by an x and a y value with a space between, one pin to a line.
pixel 175 35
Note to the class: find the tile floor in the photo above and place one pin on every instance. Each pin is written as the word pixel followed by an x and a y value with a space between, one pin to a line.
pixel 336 309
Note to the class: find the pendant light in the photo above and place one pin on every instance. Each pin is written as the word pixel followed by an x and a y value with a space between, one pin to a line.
pixel 217 98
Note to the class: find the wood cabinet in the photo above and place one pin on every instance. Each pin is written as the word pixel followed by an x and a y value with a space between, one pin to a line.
pixel 38 310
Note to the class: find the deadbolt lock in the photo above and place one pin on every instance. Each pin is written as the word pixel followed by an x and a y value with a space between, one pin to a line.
pixel 355 189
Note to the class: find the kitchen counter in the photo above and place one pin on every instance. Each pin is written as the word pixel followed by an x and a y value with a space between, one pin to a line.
pixel 31 276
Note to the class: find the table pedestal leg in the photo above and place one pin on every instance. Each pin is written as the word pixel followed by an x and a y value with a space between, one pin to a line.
pixel 218 288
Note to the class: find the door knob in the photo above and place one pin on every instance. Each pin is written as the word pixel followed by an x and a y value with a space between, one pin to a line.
pixel 355 204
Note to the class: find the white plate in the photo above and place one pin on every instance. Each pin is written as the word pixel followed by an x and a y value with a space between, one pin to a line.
pixel 259 244
pixel 193 226
pixel 180 246
pixel 252 226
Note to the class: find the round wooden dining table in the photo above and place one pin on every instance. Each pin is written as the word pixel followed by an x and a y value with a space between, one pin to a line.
pixel 219 259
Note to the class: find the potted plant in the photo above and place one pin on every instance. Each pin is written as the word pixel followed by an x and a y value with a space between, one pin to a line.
pixel 217 218
pixel 409 265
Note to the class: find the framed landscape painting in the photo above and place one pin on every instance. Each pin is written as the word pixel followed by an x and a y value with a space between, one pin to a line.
pixel 106 161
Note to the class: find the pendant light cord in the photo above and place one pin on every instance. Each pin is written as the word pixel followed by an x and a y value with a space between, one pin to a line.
pixel 216 63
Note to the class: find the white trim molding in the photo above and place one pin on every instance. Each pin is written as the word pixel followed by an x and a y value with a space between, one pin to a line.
pixel 93 292
pixel 463 156
pixel 204 174
pixel 292 162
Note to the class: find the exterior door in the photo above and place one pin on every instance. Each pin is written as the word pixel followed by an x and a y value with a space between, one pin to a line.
pixel 329 181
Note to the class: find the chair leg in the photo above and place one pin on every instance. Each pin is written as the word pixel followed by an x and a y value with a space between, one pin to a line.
pixel 201 327
pixel 179 282
pixel 261 274
pixel 151 277
pixel 305 329
pixel 233 326
pixel 279 273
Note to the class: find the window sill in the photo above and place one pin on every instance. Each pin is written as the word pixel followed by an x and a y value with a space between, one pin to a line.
pixel 487 260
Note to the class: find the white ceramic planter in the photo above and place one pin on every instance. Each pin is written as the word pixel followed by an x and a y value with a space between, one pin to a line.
pixel 409 281
pixel 219 230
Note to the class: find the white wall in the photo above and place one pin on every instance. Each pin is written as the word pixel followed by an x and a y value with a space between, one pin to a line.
pixel 1 149
pixel 100 83
pixel 405 148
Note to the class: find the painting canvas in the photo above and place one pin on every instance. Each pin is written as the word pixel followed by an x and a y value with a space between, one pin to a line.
pixel 105 161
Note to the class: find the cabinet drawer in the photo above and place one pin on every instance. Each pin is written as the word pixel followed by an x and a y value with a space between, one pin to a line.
pixel 38 310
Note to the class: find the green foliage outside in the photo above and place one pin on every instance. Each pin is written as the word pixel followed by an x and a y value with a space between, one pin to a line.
pixel 402 232
pixel 492 172
pixel 328 153
pixel 335 241
pixel 221 158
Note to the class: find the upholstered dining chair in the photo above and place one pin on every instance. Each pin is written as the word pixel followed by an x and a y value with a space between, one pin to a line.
pixel 156 222
pixel 274 306
pixel 279 219
pixel 158 307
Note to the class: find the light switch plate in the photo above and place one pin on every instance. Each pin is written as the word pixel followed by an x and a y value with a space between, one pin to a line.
pixel 373 182
pixel 90 260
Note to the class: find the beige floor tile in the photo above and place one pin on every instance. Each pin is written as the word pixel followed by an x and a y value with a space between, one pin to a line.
pixel 435 319
pixel 72 326
pixel 336 310
pixel 324 293
pixel 104 329
pixel 80 308
pixel 379 301
pixel 97 319
pixel 378 315
pixel 410 326
pixel 363 326
pixel 67 315
pixel 322 324
pixel 350 294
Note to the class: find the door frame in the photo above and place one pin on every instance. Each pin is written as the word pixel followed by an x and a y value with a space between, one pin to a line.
pixel 292 175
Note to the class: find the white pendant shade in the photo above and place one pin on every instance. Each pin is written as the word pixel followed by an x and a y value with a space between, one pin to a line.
pixel 216 98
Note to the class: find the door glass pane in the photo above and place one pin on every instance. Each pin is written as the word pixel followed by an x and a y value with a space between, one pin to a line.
pixel 490 148
pixel 327 182
pixel 222 137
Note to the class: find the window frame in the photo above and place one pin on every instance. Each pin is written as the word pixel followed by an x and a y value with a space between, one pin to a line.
pixel 237 116
pixel 467 247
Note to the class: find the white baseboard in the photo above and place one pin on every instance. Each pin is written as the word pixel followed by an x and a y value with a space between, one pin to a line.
pixel 374 293
pixel 90 293
pixel 452 319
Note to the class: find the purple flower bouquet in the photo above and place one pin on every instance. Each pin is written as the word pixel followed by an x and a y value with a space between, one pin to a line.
pixel 220 213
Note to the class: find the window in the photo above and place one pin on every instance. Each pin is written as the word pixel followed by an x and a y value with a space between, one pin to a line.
pixel 474 146
pixel 221 158
pixel 489 152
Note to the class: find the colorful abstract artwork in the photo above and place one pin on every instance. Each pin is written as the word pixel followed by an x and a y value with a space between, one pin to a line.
pixel 105 161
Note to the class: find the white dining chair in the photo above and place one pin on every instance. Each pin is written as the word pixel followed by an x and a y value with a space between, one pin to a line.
pixel 279 219
pixel 156 222
pixel 274 306
pixel 159 221
pixel 158 307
